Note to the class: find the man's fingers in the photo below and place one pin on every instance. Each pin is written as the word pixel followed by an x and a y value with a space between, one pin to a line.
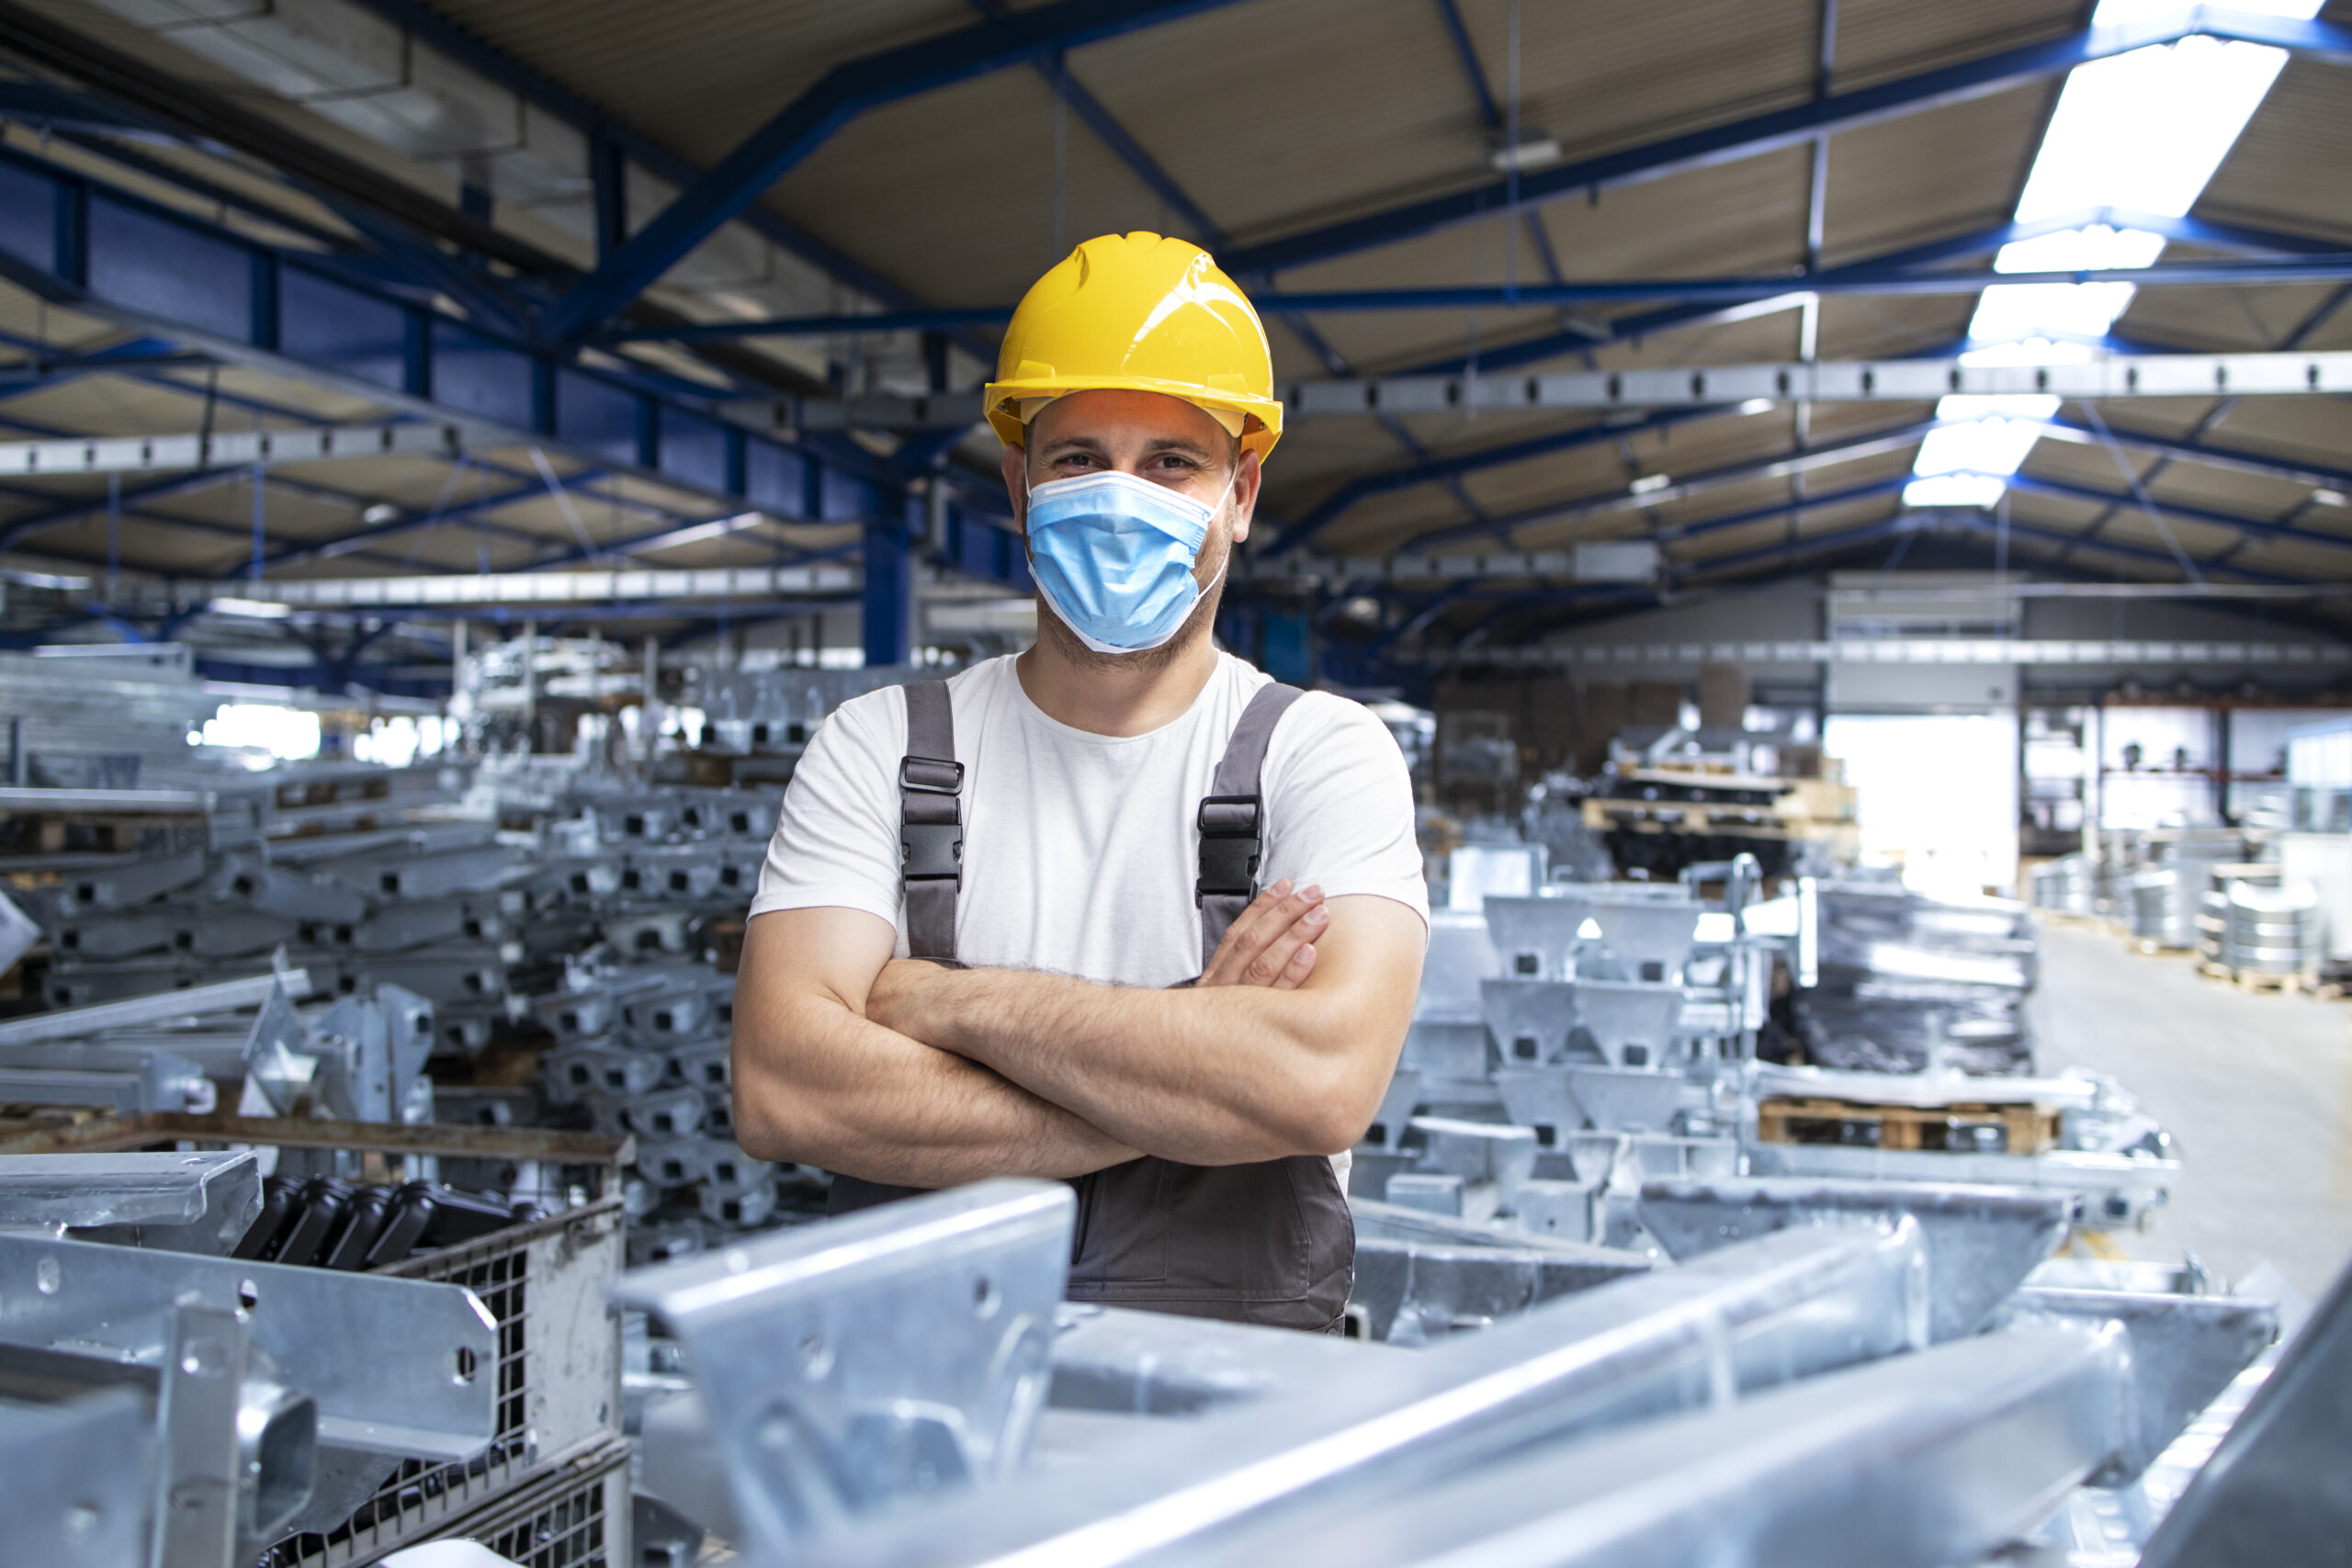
pixel 1294 973
pixel 1272 964
pixel 1246 956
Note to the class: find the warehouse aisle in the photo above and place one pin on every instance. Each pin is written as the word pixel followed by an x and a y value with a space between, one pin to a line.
pixel 2257 1090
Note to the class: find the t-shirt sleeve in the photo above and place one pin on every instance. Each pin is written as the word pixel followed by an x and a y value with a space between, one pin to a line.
pixel 836 842
pixel 1339 801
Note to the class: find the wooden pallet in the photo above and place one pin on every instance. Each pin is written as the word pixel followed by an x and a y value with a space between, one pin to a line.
pixel 2022 1129
pixel 2272 984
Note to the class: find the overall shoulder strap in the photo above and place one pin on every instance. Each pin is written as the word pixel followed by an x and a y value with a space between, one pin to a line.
pixel 1232 818
pixel 930 822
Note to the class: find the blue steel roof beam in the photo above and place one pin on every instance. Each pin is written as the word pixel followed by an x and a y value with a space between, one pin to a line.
pixel 14 529
pixel 417 521
pixel 809 122
pixel 1430 470
pixel 1787 128
pixel 1710 295
pixel 2192 451
pixel 495 64
pixel 1122 146
pixel 1869 443
pixel 2258 528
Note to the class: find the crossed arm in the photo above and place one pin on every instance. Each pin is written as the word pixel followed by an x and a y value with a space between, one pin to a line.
pixel 917 1075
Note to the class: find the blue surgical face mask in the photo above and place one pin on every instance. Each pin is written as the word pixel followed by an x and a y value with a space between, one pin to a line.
pixel 1114 554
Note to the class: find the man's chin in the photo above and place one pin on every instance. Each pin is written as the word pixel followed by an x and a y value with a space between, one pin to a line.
pixel 1052 628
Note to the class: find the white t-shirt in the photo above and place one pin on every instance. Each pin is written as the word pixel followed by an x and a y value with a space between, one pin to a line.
pixel 1080 850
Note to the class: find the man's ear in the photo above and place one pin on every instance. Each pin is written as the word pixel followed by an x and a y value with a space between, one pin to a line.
pixel 1017 489
pixel 1246 476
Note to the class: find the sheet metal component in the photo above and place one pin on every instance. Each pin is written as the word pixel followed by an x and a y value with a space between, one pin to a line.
pixel 1742 1319
pixel 2106 1191
pixel 405 872
pixel 73 1480
pixel 1917 1462
pixel 161 1081
pixel 175 1202
pixel 1570 1098
pixel 850 1366
pixel 1485 1161
pixel 1981 1241
pixel 1149 1363
pixel 306 1321
pixel 1630 931
pixel 2274 1489
pixel 666 1113
pixel 130 883
pixel 372 1054
pixel 745 1205
pixel 237 1450
pixel 2184 1350
pixel 1413 1292
pixel 290 895
pixel 167 1007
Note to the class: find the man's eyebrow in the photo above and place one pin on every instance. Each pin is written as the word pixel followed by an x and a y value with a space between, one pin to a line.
pixel 1071 444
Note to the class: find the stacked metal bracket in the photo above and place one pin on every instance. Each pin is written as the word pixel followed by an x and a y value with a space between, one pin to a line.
pixel 1828 1373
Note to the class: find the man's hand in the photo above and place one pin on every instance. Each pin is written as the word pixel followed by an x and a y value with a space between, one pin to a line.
pixel 1272 942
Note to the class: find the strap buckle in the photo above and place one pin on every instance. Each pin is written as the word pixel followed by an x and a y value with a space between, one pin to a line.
pixel 931 852
pixel 930 775
pixel 1229 847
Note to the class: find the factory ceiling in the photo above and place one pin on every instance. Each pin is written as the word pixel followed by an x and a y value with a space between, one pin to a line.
pixel 644 252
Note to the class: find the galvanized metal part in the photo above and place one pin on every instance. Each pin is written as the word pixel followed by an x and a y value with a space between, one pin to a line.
pixel 850 1367
pixel 74 1479
pixel 1981 1241
pixel 177 1202
pixel 100 1297
pixel 227 996
pixel 2274 1489
pixel 1916 1462
pixel 1742 1319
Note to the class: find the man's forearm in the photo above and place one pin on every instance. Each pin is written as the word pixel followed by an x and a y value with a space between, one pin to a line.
pixel 817 1084
pixel 1213 1076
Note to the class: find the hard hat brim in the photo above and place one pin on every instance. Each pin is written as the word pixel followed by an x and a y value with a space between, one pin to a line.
pixel 1002 401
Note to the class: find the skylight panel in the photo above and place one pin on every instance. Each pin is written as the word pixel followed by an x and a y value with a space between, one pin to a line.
pixel 2142 131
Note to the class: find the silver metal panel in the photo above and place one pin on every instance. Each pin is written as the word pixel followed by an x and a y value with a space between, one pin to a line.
pixel 397 1366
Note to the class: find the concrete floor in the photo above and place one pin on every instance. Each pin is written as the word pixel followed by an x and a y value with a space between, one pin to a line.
pixel 2257 1090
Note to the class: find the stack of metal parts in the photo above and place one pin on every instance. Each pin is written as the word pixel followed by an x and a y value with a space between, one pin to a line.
pixel 1854 1372
pixel 1906 982
pixel 2256 926
pixel 2167 894
pixel 643 1050
pixel 1567 1046
pixel 2067 886
pixel 103 717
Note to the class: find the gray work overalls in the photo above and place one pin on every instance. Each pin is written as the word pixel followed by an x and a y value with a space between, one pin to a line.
pixel 1271 1243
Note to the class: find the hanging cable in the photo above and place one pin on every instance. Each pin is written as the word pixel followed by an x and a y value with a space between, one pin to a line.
pixel 1061 157
pixel 2140 492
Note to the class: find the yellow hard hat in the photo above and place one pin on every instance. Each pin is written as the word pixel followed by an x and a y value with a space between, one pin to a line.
pixel 1138 312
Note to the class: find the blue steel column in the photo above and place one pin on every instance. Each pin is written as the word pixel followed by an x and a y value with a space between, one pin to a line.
pixel 890 592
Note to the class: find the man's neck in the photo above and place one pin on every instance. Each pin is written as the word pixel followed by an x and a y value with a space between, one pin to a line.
pixel 1106 695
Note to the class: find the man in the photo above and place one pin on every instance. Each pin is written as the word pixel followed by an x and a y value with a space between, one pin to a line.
pixel 992 938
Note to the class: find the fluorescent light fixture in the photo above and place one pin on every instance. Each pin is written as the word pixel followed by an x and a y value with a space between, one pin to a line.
pixel 1535 149
pixel 695 532
pixel 1755 405
pixel 258 609
pixel 2329 498
pixel 1649 483
pixel 2142 132
pixel 383 512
